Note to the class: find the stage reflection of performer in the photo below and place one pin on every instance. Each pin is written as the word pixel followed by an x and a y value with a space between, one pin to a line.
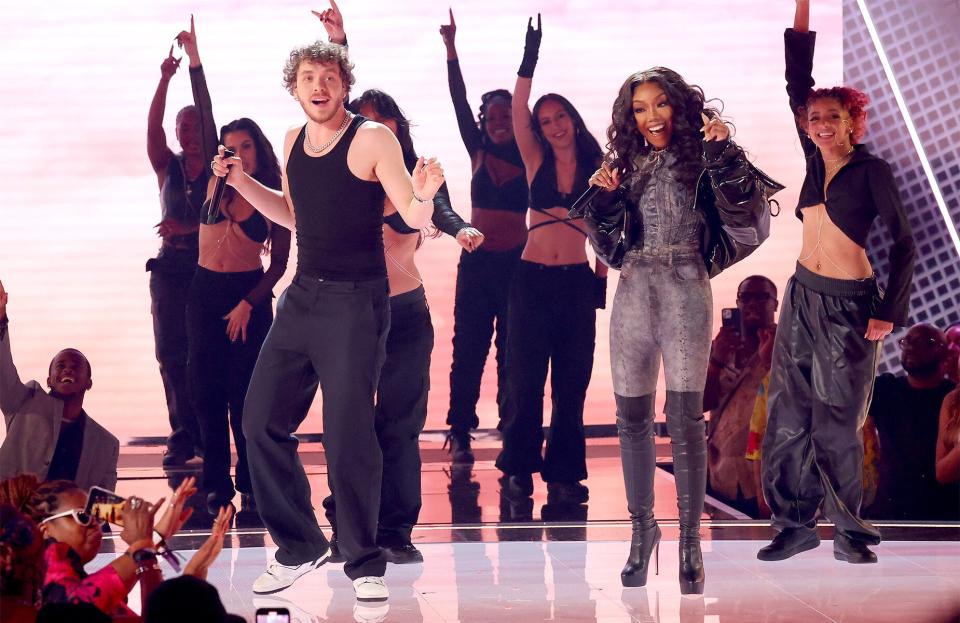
pixel 332 322
pixel 833 318
pixel 663 228
pixel 229 308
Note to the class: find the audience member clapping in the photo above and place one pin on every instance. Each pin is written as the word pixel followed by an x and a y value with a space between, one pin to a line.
pixel 72 539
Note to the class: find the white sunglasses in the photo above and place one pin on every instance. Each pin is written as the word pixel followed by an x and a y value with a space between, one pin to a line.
pixel 79 515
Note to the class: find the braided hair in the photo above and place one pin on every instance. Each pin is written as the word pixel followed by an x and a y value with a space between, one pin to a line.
pixel 35 499
pixel 21 554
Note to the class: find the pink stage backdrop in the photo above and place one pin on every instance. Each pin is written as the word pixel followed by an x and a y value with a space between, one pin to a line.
pixel 79 199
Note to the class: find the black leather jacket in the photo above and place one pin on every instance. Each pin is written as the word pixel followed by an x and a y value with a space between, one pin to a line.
pixel 732 194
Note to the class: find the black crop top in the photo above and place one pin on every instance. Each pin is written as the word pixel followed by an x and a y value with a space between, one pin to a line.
pixel 860 192
pixel 543 190
pixel 339 216
pixel 499 181
pixel 255 227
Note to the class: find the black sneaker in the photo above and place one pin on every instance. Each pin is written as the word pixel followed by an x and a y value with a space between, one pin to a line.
pixel 405 554
pixel 567 493
pixel 458 441
pixel 852 550
pixel 789 542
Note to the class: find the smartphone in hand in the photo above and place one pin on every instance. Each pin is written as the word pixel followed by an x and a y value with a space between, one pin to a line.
pixel 105 505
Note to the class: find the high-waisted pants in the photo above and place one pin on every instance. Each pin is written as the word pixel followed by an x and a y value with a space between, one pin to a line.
pixel 821 383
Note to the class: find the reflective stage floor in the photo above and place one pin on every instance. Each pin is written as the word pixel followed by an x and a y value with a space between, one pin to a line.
pixel 490 558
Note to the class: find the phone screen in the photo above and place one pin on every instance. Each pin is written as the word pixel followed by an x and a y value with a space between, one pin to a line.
pixel 105 505
pixel 273 615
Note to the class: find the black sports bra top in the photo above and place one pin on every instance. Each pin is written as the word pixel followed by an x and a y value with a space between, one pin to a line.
pixel 545 195
pixel 255 227
pixel 397 224
pixel 543 190
pixel 499 181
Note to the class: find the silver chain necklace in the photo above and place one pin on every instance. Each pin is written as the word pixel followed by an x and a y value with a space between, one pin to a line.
pixel 336 135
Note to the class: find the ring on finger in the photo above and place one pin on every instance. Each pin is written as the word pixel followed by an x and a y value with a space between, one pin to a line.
pixel 135 503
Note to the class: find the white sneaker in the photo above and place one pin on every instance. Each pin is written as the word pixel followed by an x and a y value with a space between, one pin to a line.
pixel 371 588
pixel 278 577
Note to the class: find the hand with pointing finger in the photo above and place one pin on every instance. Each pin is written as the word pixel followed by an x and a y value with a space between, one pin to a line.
pixel 169 66
pixel 449 33
pixel 714 129
pixel 188 41
pixel 333 23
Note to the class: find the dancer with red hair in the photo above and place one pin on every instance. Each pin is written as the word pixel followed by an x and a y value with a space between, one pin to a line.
pixel 833 320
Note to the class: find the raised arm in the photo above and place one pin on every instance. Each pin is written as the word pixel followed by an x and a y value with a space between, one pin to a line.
pixel 201 95
pixel 12 391
pixel 530 150
pixel 157 150
pixel 333 23
pixel 469 131
pixel 274 205
pixel 799 43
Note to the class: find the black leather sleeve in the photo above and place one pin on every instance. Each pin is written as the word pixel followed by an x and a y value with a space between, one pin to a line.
pixel 605 217
pixel 444 218
pixel 741 214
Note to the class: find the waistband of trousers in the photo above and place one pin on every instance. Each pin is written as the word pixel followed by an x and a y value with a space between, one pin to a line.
pixel 554 268
pixel 408 299
pixel 305 280
pixel 835 287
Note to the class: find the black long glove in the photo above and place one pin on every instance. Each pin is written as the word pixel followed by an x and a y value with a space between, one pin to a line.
pixel 531 49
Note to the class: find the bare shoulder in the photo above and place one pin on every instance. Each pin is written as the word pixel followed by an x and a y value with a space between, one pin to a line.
pixel 372 134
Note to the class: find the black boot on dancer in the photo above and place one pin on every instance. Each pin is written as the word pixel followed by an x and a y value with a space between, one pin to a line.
pixel 688 441
pixel 638 456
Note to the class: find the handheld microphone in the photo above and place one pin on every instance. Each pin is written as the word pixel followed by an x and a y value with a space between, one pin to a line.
pixel 580 205
pixel 214 211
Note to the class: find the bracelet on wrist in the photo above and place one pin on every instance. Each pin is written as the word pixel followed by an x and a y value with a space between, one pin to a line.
pixel 142 569
pixel 417 197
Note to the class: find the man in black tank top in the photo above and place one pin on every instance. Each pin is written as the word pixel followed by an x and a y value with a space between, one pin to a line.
pixel 332 322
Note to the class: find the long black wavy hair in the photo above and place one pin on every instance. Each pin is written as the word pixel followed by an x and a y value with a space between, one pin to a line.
pixel 624 141
pixel 268 167
pixel 388 108
pixel 588 149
